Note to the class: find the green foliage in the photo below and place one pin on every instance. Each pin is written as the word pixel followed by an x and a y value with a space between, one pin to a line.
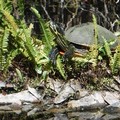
pixel 19 75
pixel 107 48
pixel 3 47
pixel 92 55
pixel 48 41
pixel 9 21
pixel 95 31
pixel 16 38
pixel 103 52
pixel 6 5
pixel 6 56
pixel 18 7
pixel 32 48
pixel 48 36
pixel 7 53
pixel 7 25
pixel 60 67
pixel 94 47
pixel 115 61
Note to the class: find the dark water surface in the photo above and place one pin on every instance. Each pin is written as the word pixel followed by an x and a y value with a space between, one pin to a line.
pixel 59 116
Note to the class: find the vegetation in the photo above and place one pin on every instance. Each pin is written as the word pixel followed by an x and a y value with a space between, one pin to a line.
pixel 17 43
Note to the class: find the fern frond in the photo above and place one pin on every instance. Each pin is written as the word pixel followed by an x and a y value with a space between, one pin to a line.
pixel 60 67
pixel 48 42
pixel 115 66
pixel 34 49
pixel 10 19
pixel 29 45
pixel 5 5
pixel 114 60
pixel 46 31
pixel 4 41
pixel 95 31
pixel 3 48
pixel 10 56
pixel 93 54
pixel 107 48
pixel 6 56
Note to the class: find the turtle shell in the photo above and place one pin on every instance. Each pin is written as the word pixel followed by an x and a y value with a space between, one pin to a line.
pixel 84 34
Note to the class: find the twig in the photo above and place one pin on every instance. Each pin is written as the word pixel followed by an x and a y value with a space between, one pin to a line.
pixel 73 15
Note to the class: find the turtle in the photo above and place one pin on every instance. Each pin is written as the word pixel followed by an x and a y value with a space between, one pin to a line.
pixel 83 35
pixel 79 37
pixel 62 43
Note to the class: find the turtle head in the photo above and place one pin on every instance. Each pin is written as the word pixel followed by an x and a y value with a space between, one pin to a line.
pixel 53 27
pixel 56 28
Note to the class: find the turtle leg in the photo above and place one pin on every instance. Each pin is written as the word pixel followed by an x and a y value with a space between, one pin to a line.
pixel 66 55
pixel 53 54
pixel 69 53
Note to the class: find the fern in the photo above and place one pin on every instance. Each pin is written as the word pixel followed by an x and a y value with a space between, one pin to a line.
pixel 4 41
pixel 12 54
pixel 114 60
pixel 28 44
pixel 107 48
pixel 115 63
pixel 60 67
pixel 94 48
pixel 48 42
pixel 33 50
pixel 95 31
pixel 10 21
pixel 48 37
pixel 3 47
pixel 6 5
pixel 21 41
pixel 8 25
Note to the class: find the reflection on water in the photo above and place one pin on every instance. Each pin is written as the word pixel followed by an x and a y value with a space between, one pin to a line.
pixel 59 116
